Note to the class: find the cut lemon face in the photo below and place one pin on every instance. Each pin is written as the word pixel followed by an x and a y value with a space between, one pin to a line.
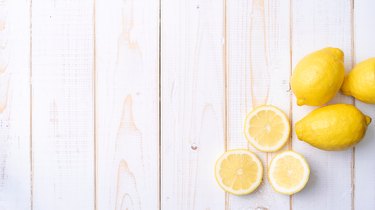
pixel 267 128
pixel 288 172
pixel 239 171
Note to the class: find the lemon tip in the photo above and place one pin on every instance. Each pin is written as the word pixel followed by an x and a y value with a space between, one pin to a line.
pixel 337 52
pixel 300 102
pixel 298 129
pixel 345 87
pixel 368 120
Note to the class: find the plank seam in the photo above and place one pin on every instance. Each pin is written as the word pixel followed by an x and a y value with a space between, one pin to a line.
pixel 352 65
pixel 94 104
pixel 290 90
pixel 225 62
pixel 160 110
pixel 31 109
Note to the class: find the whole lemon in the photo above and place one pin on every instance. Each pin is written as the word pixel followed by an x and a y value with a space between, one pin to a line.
pixel 360 82
pixel 333 127
pixel 318 76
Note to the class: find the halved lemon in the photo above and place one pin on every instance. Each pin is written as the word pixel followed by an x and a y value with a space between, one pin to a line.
pixel 288 172
pixel 267 128
pixel 239 171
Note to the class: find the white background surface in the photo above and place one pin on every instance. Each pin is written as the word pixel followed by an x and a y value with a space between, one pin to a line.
pixel 126 104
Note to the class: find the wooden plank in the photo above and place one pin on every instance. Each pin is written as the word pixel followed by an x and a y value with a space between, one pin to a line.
pixel 193 103
pixel 258 73
pixel 15 185
pixel 62 105
pixel 127 111
pixel 364 43
pixel 318 24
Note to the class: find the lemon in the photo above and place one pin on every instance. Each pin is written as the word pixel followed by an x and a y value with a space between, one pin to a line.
pixel 267 128
pixel 333 127
pixel 318 77
pixel 288 172
pixel 239 171
pixel 360 82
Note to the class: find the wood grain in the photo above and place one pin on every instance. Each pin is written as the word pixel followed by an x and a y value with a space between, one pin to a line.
pixel 364 43
pixel 318 24
pixel 62 105
pixel 127 117
pixel 127 104
pixel 15 185
pixel 193 103
pixel 258 73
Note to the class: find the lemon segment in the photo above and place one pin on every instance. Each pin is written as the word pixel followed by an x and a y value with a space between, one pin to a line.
pixel 288 172
pixel 267 128
pixel 239 171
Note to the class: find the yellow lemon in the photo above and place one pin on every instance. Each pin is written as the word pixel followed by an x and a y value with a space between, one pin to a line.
pixel 318 76
pixel 288 172
pixel 239 171
pixel 333 127
pixel 360 82
pixel 267 128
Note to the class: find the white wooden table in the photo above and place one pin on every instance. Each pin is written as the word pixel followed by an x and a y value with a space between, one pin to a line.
pixel 126 104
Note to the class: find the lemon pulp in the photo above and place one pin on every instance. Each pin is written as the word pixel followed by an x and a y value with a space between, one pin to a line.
pixel 238 171
pixel 267 128
pixel 289 172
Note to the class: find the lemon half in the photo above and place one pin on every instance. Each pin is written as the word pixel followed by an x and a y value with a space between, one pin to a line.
pixel 239 171
pixel 267 128
pixel 288 172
